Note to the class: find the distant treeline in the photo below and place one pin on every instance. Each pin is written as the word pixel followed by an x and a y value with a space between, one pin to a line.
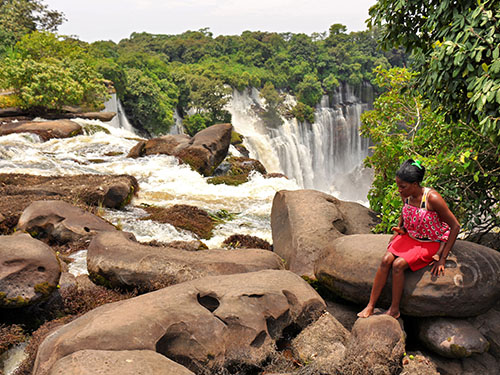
pixel 156 74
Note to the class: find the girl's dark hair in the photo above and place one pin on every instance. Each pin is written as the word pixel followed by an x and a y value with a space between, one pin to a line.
pixel 411 171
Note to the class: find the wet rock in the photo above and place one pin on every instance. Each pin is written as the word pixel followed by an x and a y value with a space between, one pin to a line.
pixel 322 342
pixel 61 222
pixel 470 286
pixel 377 343
pixel 116 260
pixel 203 324
pixel 29 270
pixel 236 170
pixel 203 152
pixel 305 222
pixel 452 338
pixel 45 129
pixel 126 362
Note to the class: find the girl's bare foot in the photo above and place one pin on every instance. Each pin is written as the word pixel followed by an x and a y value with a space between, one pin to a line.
pixel 394 313
pixel 367 311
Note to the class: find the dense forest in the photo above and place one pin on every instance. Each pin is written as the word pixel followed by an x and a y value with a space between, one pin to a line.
pixel 436 65
pixel 193 72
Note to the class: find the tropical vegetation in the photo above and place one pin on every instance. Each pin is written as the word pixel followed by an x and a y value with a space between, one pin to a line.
pixel 446 113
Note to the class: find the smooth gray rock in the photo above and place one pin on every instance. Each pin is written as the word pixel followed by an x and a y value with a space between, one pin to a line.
pixel 451 338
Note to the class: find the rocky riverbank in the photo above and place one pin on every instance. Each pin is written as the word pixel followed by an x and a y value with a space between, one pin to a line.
pixel 160 308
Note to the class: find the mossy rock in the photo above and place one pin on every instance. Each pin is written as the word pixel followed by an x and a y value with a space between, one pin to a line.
pixel 243 241
pixel 184 217
pixel 228 180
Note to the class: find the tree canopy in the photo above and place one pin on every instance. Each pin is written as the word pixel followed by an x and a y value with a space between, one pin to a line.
pixel 20 17
pixel 456 51
pixel 461 163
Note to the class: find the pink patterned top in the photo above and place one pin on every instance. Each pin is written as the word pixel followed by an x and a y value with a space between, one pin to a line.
pixel 423 224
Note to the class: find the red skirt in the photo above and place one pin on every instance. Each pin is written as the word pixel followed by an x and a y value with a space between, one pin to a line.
pixel 418 254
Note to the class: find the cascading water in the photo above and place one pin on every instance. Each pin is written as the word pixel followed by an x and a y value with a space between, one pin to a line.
pixel 120 120
pixel 326 155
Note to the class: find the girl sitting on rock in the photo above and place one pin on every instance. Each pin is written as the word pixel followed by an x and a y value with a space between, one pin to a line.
pixel 426 222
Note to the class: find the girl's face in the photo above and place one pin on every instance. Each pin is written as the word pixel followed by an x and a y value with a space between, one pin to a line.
pixel 405 188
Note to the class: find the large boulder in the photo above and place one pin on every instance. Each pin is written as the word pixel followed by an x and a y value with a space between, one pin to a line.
pixel 124 362
pixel 305 222
pixel 376 346
pixel 29 270
pixel 452 338
pixel 116 260
pixel 45 129
pixel 203 324
pixel 203 152
pixel 61 222
pixel 470 285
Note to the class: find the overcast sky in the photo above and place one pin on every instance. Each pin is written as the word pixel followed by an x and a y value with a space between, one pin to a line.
pixel 93 20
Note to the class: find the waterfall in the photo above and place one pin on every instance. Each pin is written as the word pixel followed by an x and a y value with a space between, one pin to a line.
pixel 326 155
pixel 120 121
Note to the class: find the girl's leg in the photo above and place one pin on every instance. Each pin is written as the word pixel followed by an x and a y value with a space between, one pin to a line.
pixel 398 280
pixel 378 284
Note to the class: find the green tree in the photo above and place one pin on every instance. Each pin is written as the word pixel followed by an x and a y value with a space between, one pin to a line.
pixel 47 72
pixel 461 163
pixel 20 17
pixel 209 97
pixel 147 107
pixel 456 49
pixel 273 107
pixel 309 91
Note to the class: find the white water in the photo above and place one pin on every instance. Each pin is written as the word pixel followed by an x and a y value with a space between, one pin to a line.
pixel 162 181
pixel 326 155
pixel 120 120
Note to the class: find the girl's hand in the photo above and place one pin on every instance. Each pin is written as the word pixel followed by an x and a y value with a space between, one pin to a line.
pixel 438 267
pixel 398 230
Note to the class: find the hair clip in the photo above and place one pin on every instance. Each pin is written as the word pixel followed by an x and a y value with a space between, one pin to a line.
pixel 417 163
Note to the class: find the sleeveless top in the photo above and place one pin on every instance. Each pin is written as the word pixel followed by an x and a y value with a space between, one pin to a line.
pixel 423 224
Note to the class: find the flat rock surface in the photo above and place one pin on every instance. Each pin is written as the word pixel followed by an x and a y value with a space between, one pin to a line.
pixel 18 191
pixel 126 362
pixel 45 129
pixel 125 263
